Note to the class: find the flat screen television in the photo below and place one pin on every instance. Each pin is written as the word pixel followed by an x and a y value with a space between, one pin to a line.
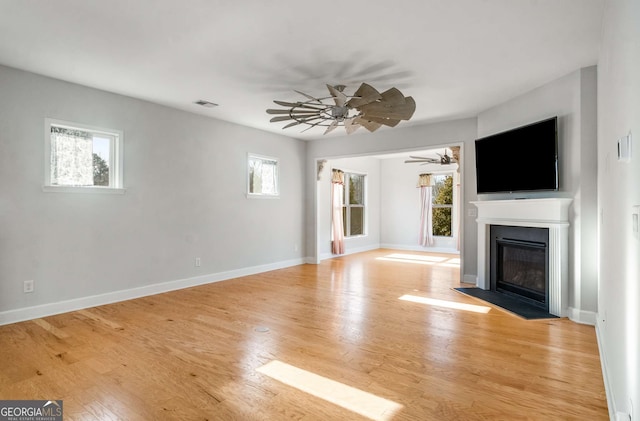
pixel 524 159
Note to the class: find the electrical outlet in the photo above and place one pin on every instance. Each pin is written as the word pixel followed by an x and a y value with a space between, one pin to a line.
pixel 28 286
pixel 198 262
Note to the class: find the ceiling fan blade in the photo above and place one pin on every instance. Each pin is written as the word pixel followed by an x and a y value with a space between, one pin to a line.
pixel 280 118
pixel 311 126
pixel 369 125
pixel 426 161
pixel 306 121
pixel 393 96
pixel 339 97
pixel 291 117
pixel 386 121
pixel 350 125
pixel 331 127
pixel 289 111
pixel 364 95
pixel 309 96
pixel 297 105
pixel 382 109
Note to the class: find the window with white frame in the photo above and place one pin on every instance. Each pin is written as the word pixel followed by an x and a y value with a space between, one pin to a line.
pixel 262 178
pixel 80 156
pixel 442 205
pixel 353 210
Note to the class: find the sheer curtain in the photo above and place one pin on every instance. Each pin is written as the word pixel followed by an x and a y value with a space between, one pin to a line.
pixel 337 224
pixel 455 153
pixel 71 157
pixel 425 235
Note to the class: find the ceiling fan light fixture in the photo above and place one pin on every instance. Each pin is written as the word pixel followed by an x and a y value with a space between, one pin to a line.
pixel 366 108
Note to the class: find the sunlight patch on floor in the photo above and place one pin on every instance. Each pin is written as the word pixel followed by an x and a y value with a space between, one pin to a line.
pixel 447 304
pixel 422 259
pixel 417 257
pixel 450 265
pixel 350 398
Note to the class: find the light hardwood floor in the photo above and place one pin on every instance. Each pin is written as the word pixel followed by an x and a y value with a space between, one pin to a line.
pixel 340 345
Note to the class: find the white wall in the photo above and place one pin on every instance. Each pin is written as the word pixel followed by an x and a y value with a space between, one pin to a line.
pixel 618 190
pixel 185 179
pixel 370 241
pixel 400 212
pixel 573 99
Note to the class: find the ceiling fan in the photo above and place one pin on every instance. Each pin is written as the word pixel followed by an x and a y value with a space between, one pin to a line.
pixel 366 108
pixel 444 159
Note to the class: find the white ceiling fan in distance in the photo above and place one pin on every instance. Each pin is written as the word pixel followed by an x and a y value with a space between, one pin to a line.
pixel 448 157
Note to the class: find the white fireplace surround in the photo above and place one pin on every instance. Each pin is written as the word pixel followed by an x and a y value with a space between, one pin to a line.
pixel 551 213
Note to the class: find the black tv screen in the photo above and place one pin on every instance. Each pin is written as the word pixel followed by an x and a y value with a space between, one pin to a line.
pixel 519 160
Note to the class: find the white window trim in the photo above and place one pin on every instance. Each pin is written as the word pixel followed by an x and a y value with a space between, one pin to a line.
pixel 251 195
pixel 117 151
pixel 83 189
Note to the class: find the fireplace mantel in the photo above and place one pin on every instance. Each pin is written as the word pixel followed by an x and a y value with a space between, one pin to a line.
pixel 551 213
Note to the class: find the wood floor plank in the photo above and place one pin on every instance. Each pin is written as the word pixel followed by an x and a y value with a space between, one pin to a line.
pixel 196 354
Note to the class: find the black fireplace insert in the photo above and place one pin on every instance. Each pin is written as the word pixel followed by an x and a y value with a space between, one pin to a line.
pixel 519 263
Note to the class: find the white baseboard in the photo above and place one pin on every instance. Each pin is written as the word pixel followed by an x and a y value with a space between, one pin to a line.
pixel 325 256
pixel 470 279
pixel 349 251
pixel 50 309
pixel 605 372
pixel 582 316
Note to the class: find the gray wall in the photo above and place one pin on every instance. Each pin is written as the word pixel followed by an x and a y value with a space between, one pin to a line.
pixel 618 190
pixel 400 212
pixel 185 177
pixel 573 99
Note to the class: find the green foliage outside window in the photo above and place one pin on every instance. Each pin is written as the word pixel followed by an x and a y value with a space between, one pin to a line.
pixel 442 205
pixel 353 212
pixel 100 171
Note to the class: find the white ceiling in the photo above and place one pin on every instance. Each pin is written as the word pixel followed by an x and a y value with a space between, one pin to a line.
pixel 454 57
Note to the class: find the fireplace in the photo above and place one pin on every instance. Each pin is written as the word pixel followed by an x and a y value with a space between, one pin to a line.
pixel 550 214
pixel 519 263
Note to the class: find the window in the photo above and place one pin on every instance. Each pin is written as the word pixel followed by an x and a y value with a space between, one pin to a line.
pixel 442 203
pixel 353 211
pixel 263 177
pixel 82 158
